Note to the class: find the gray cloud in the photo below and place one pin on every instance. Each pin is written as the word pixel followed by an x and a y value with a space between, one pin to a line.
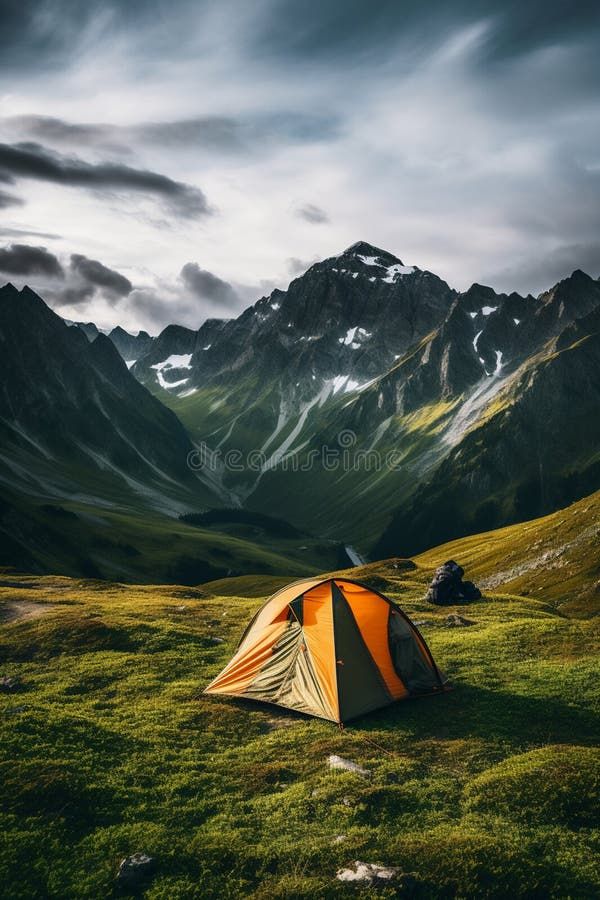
pixel 54 130
pixel 8 231
pixel 353 29
pixel 313 214
pixel 77 295
pixel 544 270
pixel 47 34
pixel 7 200
pixel 297 266
pixel 206 286
pixel 240 134
pixel 463 133
pixel 99 275
pixel 30 160
pixel 22 259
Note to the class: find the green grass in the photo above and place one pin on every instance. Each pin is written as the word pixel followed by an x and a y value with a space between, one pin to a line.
pixel 111 748
pixel 554 558
pixel 139 545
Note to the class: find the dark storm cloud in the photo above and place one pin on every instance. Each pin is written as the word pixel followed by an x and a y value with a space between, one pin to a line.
pixel 30 160
pixel 99 275
pixel 76 295
pixel 47 33
pixel 313 214
pixel 351 28
pixel 206 286
pixel 22 259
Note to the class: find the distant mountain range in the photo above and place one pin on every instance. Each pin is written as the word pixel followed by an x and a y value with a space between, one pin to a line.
pixel 447 412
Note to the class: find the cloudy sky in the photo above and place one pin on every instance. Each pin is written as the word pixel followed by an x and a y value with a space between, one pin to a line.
pixel 166 161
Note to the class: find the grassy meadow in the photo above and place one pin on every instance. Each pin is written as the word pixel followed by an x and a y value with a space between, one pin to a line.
pixel 110 748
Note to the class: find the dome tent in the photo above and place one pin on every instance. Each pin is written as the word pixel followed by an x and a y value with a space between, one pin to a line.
pixel 332 648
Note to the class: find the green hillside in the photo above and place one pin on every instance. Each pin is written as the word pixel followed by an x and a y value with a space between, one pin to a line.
pixel 554 559
pixel 133 544
pixel 109 747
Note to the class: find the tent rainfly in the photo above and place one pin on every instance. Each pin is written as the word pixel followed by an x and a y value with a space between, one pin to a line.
pixel 331 648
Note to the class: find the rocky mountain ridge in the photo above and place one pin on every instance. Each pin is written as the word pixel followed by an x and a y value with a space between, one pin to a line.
pixel 364 345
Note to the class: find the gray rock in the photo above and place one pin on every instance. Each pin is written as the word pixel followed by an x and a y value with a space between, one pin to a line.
pixel 368 873
pixel 135 869
pixel 338 762
pixel 9 684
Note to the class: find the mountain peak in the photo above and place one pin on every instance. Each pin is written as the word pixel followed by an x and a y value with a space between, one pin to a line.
pixel 362 248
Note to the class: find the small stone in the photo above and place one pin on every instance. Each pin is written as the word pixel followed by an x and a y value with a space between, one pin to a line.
pixel 338 762
pixel 368 873
pixel 134 869
pixel 339 838
pixel 215 640
pixel 9 684
pixel 456 621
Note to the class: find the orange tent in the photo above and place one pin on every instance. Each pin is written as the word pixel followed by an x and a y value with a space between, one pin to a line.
pixel 332 648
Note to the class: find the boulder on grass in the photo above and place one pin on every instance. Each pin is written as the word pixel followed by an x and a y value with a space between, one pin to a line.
pixel 133 870
pixel 10 684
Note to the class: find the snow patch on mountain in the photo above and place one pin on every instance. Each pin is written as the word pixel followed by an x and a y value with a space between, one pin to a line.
pixel 397 269
pixel 369 260
pixel 475 342
pixel 174 361
pixel 169 385
pixel 474 406
pixel 353 336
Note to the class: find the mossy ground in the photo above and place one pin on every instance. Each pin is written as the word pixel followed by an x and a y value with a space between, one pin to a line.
pixel 110 748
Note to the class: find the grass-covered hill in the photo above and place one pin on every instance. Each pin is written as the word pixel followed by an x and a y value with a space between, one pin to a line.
pixel 109 747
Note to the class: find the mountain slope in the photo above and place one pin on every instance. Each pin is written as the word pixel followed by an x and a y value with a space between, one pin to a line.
pixel 72 409
pixel 357 391
pixel 94 469
pixel 554 559
pixel 130 346
pixel 533 448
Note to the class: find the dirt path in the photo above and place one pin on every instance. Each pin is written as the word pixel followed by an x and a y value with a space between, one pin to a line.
pixel 17 610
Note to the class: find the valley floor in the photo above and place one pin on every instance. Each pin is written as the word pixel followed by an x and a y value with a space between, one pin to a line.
pixel 110 748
